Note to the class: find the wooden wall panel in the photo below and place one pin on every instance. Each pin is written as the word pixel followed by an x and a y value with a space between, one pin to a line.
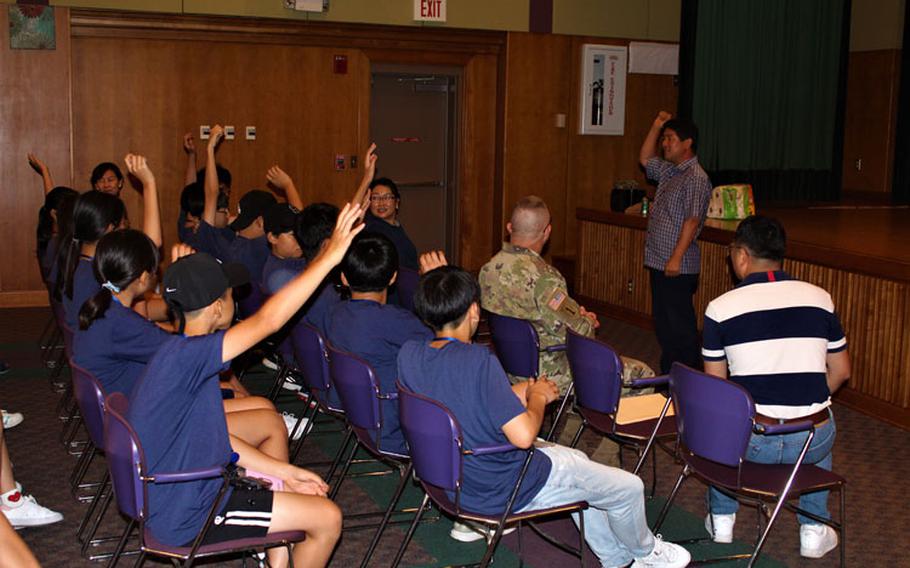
pixel 870 119
pixel 565 168
pixel 34 117
pixel 155 90
pixel 874 311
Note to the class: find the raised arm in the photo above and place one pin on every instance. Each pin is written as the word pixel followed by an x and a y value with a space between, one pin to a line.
pixel 189 147
pixel 522 430
pixel 277 177
pixel 283 305
pixel 43 171
pixel 211 176
pixel 649 146
pixel 362 195
pixel 151 220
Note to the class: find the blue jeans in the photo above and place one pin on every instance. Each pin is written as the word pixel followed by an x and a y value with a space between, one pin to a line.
pixel 785 448
pixel 615 525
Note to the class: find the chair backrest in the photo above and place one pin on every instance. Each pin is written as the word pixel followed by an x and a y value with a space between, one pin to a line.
pixel 67 341
pixel 714 416
pixel 358 389
pixel 434 438
pixel 90 397
pixel 125 459
pixel 312 357
pixel 516 343
pixel 596 373
pixel 407 282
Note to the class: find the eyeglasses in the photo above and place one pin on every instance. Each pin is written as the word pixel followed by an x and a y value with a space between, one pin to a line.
pixel 386 197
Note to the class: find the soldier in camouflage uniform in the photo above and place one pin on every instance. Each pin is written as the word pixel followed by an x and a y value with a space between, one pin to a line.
pixel 519 283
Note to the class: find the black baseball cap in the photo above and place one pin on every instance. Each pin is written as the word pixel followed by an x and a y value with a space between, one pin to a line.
pixel 279 218
pixel 197 280
pixel 253 204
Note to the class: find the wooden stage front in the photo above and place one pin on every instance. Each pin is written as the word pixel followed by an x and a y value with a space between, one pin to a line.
pixel 860 254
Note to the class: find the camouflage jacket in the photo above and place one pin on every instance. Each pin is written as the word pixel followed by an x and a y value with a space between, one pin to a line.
pixel 518 283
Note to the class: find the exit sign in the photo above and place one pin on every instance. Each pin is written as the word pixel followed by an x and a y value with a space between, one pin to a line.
pixel 430 10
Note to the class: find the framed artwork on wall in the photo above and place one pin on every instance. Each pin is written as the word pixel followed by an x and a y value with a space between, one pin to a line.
pixel 603 89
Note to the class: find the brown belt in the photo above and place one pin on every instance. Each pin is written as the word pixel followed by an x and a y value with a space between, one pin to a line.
pixel 818 418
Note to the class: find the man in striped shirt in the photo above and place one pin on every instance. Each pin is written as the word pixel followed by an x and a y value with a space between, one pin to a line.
pixel 782 341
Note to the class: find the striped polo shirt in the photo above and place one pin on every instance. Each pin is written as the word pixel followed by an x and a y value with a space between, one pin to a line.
pixel 775 334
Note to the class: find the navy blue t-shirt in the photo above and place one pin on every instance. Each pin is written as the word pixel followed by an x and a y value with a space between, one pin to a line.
pixel 176 410
pixel 84 287
pixel 117 347
pixel 470 382
pixel 277 272
pixel 407 252
pixel 252 253
pixel 375 332
pixel 48 260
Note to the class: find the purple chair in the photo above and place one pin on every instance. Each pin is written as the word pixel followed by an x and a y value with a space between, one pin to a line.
pixel 130 476
pixel 437 452
pixel 716 418
pixel 597 378
pixel 407 281
pixel 360 395
pixel 312 357
pixel 90 397
pixel 517 347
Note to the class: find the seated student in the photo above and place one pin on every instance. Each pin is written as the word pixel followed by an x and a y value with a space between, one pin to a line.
pixel 107 178
pixel 115 343
pixel 186 225
pixel 469 380
pixel 176 411
pixel 192 204
pixel 286 257
pixel 95 214
pixel 57 201
pixel 19 509
pixel 371 329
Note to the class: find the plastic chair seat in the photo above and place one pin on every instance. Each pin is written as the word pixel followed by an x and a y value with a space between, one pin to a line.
pixel 442 500
pixel 155 546
pixel 764 480
pixel 642 430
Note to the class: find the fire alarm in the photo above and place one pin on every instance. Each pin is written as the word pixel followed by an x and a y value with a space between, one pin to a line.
pixel 341 64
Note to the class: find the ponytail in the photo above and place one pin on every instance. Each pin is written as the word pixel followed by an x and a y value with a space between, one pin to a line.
pixel 94 308
pixel 66 267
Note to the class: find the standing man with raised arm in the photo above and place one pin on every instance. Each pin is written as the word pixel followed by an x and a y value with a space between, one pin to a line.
pixel 676 217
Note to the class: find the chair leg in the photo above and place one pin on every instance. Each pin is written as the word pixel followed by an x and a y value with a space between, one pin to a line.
pixel 85 462
pixel 122 544
pixel 653 474
pixel 96 500
pixel 843 525
pixel 140 561
pixel 581 429
pixel 306 430
pixel 402 484
pixel 337 460
pixel 666 508
pixel 581 535
pixel 559 413
pixel 90 537
pixel 411 530
pixel 344 471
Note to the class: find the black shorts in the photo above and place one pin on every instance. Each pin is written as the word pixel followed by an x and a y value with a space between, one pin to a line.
pixel 246 514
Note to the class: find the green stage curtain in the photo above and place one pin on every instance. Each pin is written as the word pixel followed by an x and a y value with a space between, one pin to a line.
pixel 767 93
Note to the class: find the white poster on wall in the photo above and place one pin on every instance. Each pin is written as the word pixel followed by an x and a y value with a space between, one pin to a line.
pixel 603 89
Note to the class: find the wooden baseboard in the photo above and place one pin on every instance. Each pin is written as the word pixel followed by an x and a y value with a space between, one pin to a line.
pixel 24 299
pixel 874 407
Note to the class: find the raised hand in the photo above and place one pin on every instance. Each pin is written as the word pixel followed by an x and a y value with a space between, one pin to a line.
pixel 369 162
pixel 277 177
pixel 189 143
pixel 138 166
pixel 662 117
pixel 181 250
pixel 37 164
pixel 215 136
pixel 432 260
pixel 346 228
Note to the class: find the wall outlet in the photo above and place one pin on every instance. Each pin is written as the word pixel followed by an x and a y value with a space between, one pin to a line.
pixel 229 132
pixel 250 132
pixel 205 131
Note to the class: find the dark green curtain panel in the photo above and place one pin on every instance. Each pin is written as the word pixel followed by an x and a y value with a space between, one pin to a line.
pixel 765 95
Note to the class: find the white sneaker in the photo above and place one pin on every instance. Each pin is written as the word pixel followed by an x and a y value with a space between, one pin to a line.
pixel 290 420
pixel 472 532
pixel 664 555
pixel 11 419
pixel 291 383
pixel 23 511
pixel 723 527
pixel 269 364
pixel 816 541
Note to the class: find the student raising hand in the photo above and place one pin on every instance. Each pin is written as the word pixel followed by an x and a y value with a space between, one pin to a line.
pixel 344 233
pixel 151 221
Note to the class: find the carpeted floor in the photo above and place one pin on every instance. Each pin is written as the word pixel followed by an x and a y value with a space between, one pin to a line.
pixel 871 454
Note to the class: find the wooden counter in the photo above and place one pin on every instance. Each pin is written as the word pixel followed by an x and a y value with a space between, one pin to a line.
pixel 869 289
